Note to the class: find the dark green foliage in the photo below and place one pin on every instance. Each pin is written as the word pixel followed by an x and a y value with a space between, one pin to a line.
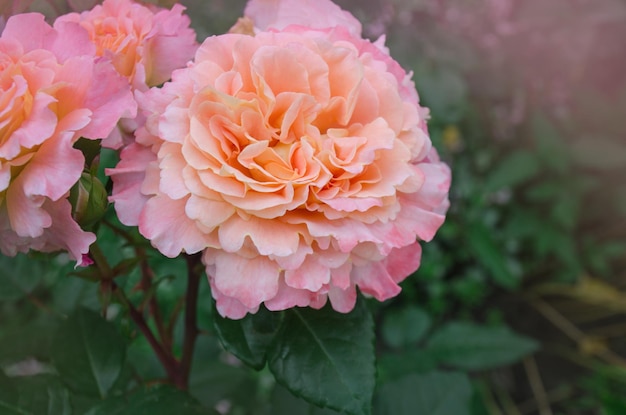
pixel 471 347
pixel 89 353
pixel 19 276
pixel 162 400
pixel 327 357
pixel 250 337
pixel 406 326
pixel 43 395
pixel 433 393
pixel 8 393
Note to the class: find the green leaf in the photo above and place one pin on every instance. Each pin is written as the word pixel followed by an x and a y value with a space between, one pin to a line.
pixel 327 357
pixel 160 400
pixel 216 376
pixel 394 366
pixel 565 211
pixel 88 353
pixel 21 339
pixel 613 402
pixel 144 361
pixel 516 168
pixel 405 326
pixel 8 395
pixel 471 347
pixel 489 253
pixel 216 381
pixel 69 293
pixel 285 403
pixel 250 337
pixel 19 276
pixel 435 393
pixel 613 405
pixel 6 409
pixel 549 143
pixel 42 395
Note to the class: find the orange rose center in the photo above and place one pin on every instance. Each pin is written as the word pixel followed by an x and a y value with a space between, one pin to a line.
pixel 109 37
pixel 15 105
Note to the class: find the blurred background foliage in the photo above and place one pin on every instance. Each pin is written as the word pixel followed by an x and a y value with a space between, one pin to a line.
pixel 528 106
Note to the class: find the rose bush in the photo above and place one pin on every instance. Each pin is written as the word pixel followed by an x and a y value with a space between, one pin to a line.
pixel 54 91
pixel 297 160
pixel 291 162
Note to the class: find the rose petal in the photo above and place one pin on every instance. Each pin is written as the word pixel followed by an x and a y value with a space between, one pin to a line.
pixel 311 275
pixel 171 233
pixel 315 14
pixel 249 280
pixel 288 297
pixel 269 237
pixel 127 180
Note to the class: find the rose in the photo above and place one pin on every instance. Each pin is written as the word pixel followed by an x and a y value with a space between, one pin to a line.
pixel 310 14
pixel 144 43
pixel 297 160
pixel 323 15
pixel 53 92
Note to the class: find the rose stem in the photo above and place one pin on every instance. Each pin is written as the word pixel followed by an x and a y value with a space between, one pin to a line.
pixel 107 275
pixel 191 317
pixel 147 276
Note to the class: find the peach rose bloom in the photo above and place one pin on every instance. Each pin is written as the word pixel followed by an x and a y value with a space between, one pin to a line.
pixel 144 43
pixel 53 92
pixel 297 160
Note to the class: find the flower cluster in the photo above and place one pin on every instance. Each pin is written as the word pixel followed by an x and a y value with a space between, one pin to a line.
pixel 62 83
pixel 296 158
pixel 292 153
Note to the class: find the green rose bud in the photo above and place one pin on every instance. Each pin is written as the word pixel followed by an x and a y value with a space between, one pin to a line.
pixel 89 200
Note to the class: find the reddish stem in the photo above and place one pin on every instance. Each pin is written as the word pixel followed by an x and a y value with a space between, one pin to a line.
pixel 167 360
pixel 194 272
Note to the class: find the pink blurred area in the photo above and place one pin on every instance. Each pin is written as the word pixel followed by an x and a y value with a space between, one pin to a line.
pixel 563 58
pixel 558 42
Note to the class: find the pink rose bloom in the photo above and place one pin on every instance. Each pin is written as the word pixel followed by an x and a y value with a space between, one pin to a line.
pixel 297 160
pixel 53 92
pixel 313 14
pixel 145 43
